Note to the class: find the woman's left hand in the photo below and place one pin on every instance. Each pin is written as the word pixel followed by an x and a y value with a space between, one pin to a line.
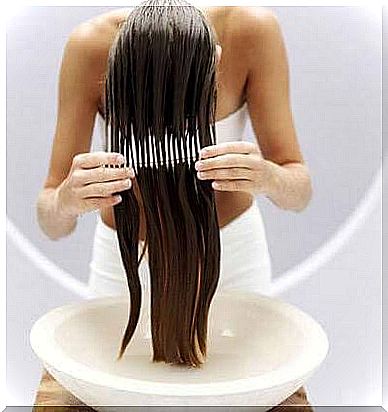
pixel 236 166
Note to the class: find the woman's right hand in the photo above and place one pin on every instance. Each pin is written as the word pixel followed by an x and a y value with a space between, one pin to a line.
pixel 90 186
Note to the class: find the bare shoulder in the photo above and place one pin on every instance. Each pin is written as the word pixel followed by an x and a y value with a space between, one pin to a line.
pixel 257 31
pixel 250 22
pixel 97 33
pixel 253 17
pixel 89 42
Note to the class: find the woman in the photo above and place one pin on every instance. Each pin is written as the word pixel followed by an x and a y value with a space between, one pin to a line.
pixel 253 81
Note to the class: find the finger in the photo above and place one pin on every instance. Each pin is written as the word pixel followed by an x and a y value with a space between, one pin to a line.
pixel 97 159
pixel 226 160
pixel 93 203
pixel 105 174
pixel 105 189
pixel 232 173
pixel 233 185
pixel 227 147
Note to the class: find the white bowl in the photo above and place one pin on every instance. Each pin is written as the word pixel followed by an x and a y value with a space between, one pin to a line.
pixel 260 351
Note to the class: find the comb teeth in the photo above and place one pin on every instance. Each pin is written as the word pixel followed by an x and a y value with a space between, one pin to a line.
pixel 153 152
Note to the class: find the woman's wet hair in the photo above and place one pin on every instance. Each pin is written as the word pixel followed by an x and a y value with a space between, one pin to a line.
pixel 160 102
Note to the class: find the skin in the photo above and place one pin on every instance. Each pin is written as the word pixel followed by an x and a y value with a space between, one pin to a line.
pixel 253 67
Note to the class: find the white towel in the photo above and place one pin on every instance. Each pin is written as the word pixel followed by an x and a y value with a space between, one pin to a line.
pixel 245 259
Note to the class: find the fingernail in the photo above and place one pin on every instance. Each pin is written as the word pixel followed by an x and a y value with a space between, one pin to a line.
pixel 198 165
pixel 120 158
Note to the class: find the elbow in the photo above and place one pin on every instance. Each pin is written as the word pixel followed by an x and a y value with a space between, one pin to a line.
pixel 305 198
pixel 48 230
pixel 41 226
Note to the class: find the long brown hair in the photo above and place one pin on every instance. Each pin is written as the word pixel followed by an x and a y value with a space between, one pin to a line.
pixel 160 102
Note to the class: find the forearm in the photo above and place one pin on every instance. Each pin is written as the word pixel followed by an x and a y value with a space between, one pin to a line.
pixel 53 222
pixel 290 187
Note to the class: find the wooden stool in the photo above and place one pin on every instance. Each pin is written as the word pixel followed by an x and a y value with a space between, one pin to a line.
pixel 50 393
